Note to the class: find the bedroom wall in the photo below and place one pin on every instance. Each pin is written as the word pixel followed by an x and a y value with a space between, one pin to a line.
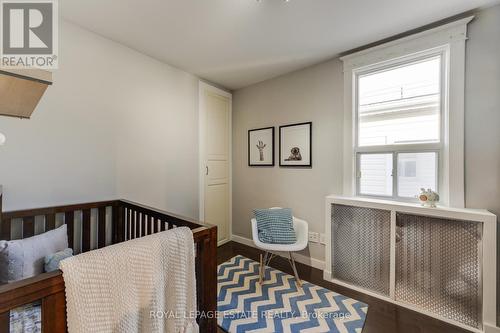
pixel 482 118
pixel 115 123
pixel 315 94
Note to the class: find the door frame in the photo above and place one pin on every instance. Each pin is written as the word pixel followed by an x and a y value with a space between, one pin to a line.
pixel 202 87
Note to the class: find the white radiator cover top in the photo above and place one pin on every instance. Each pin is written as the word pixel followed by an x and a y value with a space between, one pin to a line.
pixel 487 222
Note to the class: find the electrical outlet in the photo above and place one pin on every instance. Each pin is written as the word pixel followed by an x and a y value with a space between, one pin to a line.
pixel 322 238
pixel 313 237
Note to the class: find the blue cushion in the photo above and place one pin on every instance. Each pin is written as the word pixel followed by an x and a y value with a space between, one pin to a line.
pixel 52 260
pixel 275 226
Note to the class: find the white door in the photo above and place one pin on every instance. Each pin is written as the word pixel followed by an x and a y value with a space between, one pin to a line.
pixel 215 144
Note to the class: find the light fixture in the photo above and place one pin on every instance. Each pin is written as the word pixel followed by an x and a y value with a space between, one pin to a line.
pixel 2 139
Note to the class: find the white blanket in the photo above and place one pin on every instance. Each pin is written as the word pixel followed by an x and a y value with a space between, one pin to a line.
pixel 141 285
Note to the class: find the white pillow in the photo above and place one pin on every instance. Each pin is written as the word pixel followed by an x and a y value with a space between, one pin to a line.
pixel 23 258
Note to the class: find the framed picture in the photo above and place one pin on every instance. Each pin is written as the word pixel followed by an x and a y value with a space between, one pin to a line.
pixel 296 145
pixel 261 147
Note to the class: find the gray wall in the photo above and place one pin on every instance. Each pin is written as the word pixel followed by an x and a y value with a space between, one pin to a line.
pixel 482 116
pixel 482 112
pixel 315 94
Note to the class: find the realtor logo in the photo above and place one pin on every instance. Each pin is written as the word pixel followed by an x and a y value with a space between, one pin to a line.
pixel 29 33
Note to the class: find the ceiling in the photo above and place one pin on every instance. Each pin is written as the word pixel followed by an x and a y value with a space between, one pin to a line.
pixel 236 43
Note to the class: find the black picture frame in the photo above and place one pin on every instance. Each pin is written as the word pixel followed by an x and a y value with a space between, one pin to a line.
pixel 272 163
pixel 296 165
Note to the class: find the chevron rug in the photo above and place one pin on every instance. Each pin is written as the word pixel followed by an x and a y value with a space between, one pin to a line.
pixel 279 305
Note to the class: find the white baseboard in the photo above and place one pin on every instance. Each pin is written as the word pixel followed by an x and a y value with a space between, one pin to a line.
pixel 491 329
pixel 316 263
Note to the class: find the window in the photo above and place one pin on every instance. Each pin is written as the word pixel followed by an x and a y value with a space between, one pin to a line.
pixel 408 169
pixel 416 171
pixel 401 104
pixel 404 116
pixel 377 174
pixel 399 110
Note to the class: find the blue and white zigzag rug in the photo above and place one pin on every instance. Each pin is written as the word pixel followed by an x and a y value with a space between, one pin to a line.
pixel 279 305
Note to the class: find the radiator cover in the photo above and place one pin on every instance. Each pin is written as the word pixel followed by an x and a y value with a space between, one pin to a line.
pixel 438 266
pixel 361 247
pixel 439 261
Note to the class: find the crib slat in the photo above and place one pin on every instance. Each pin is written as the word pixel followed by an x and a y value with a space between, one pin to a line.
pixel 69 220
pixel 144 223
pixel 28 226
pixel 139 224
pixel 6 224
pixel 163 225
pixel 101 233
pixel 155 225
pixel 50 222
pixel 129 223
pixel 86 230
pixel 134 224
pixel 126 222
pixel 119 224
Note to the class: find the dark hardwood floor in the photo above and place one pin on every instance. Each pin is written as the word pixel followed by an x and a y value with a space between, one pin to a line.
pixel 383 317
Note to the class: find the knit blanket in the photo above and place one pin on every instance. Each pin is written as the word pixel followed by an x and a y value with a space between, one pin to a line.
pixel 141 285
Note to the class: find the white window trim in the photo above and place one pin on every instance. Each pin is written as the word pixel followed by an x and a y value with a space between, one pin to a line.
pixel 450 39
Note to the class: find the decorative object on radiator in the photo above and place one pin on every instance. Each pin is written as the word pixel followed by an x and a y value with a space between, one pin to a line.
pixel 296 145
pixel 280 305
pixel 428 197
pixel 261 147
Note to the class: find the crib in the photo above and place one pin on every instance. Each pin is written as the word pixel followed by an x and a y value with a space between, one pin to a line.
pixel 95 225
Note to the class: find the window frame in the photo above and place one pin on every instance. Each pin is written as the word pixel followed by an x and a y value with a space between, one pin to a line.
pixel 395 149
pixel 451 37
pixel 395 174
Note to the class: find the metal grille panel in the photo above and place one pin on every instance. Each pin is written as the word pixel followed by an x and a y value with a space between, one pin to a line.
pixel 361 247
pixel 438 266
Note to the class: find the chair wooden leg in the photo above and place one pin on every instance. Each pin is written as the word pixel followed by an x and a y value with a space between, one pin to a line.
pixel 292 262
pixel 261 269
pixel 264 261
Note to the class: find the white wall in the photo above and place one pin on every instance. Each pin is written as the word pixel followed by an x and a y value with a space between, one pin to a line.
pixel 314 94
pixel 115 123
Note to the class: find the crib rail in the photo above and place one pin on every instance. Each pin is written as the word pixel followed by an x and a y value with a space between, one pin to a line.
pixel 69 215
pixel 100 224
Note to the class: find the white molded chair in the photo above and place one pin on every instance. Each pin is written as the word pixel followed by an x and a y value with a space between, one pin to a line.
pixel 301 231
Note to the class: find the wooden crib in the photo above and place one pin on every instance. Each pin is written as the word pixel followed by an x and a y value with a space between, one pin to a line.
pixel 114 222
